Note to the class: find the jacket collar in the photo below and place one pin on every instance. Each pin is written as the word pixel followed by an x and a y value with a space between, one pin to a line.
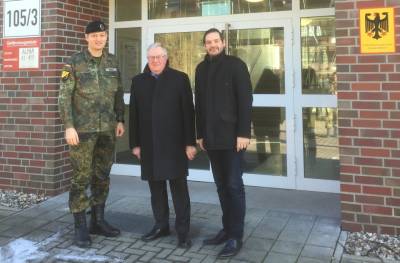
pixel 147 69
pixel 89 56
pixel 215 59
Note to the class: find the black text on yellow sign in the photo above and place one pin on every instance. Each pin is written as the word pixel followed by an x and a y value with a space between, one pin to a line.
pixel 377 30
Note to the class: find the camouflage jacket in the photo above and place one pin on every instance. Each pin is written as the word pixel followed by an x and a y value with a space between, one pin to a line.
pixel 91 93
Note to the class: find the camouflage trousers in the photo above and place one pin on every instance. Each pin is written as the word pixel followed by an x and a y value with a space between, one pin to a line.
pixel 91 162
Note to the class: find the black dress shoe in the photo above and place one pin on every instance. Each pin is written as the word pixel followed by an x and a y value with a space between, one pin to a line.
pixel 185 243
pixel 220 238
pixel 231 248
pixel 155 233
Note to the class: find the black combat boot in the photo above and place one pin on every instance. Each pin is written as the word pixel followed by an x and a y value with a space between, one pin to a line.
pixel 99 226
pixel 82 238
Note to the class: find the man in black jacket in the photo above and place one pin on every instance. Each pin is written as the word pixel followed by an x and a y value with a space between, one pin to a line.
pixel 162 137
pixel 223 115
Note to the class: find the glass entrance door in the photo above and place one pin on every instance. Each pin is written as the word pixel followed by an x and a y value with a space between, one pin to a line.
pixel 265 48
pixel 289 49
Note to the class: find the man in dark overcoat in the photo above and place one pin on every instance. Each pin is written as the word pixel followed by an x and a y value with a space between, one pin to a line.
pixel 223 96
pixel 162 137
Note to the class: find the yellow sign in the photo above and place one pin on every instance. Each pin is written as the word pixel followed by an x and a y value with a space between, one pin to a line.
pixel 377 31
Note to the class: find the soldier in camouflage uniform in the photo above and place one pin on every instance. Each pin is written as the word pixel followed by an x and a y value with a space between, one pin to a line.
pixel 92 110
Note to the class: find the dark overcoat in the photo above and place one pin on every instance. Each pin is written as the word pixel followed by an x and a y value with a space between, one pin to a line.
pixel 223 96
pixel 161 123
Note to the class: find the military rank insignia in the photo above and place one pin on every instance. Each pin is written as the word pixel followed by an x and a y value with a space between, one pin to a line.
pixel 377 30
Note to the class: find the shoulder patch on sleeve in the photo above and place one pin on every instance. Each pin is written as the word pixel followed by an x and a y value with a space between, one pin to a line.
pixel 65 75
pixel 66 72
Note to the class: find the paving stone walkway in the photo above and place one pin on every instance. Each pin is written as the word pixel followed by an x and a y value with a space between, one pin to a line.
pixel 44 233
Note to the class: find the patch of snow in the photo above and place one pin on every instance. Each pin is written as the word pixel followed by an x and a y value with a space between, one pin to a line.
pixel 87 256
pixel 22 250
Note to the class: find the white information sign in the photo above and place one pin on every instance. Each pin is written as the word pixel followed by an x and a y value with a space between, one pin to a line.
pixel 21 18
pixel 29 57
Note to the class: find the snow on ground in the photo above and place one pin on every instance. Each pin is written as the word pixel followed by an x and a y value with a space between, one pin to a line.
pixel 23 250
pixel 87 256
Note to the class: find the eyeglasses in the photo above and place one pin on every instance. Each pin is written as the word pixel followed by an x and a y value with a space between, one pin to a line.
pixel 152 58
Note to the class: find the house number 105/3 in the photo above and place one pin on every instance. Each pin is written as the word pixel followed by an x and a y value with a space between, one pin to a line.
pixel 22 17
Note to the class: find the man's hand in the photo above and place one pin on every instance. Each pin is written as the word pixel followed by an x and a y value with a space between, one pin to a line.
pixel 136 152
pixel 71 136
pixel 200 143
pixel 119 130
pixel 191 152
pixel 242 143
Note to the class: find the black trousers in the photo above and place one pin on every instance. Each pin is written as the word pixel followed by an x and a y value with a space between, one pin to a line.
pixel 227 168
pixel 181 200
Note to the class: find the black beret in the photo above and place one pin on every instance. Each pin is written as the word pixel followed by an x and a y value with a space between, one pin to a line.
pixel 95 26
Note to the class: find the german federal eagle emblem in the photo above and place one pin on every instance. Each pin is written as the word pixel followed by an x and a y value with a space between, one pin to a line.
pixel 377 25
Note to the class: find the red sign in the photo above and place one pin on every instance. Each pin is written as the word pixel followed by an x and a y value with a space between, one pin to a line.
pixel 21 54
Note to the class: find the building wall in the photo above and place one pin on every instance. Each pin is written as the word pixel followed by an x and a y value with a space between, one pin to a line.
pixel 33 154
pixel 369 125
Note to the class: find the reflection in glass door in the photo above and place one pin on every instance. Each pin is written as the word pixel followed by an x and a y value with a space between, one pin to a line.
pixel 316 104
pixel 262 49
pixel 265 48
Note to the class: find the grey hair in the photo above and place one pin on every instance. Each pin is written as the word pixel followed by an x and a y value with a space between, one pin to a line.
pixel 157 45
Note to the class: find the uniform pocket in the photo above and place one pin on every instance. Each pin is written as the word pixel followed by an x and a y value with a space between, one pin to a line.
pixel 86 82
pixel 111 77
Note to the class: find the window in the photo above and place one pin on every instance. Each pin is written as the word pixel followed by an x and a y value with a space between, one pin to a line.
pixel 309 4
pixel 126 10
pixel 318 50
pixel 128 47
pixel 187 8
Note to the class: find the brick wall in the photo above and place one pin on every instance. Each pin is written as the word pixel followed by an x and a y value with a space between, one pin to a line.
pixel 369 125
pixel 33 154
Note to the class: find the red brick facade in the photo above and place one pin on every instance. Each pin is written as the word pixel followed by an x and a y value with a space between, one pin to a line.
pixel 32 150
pixel 369 125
